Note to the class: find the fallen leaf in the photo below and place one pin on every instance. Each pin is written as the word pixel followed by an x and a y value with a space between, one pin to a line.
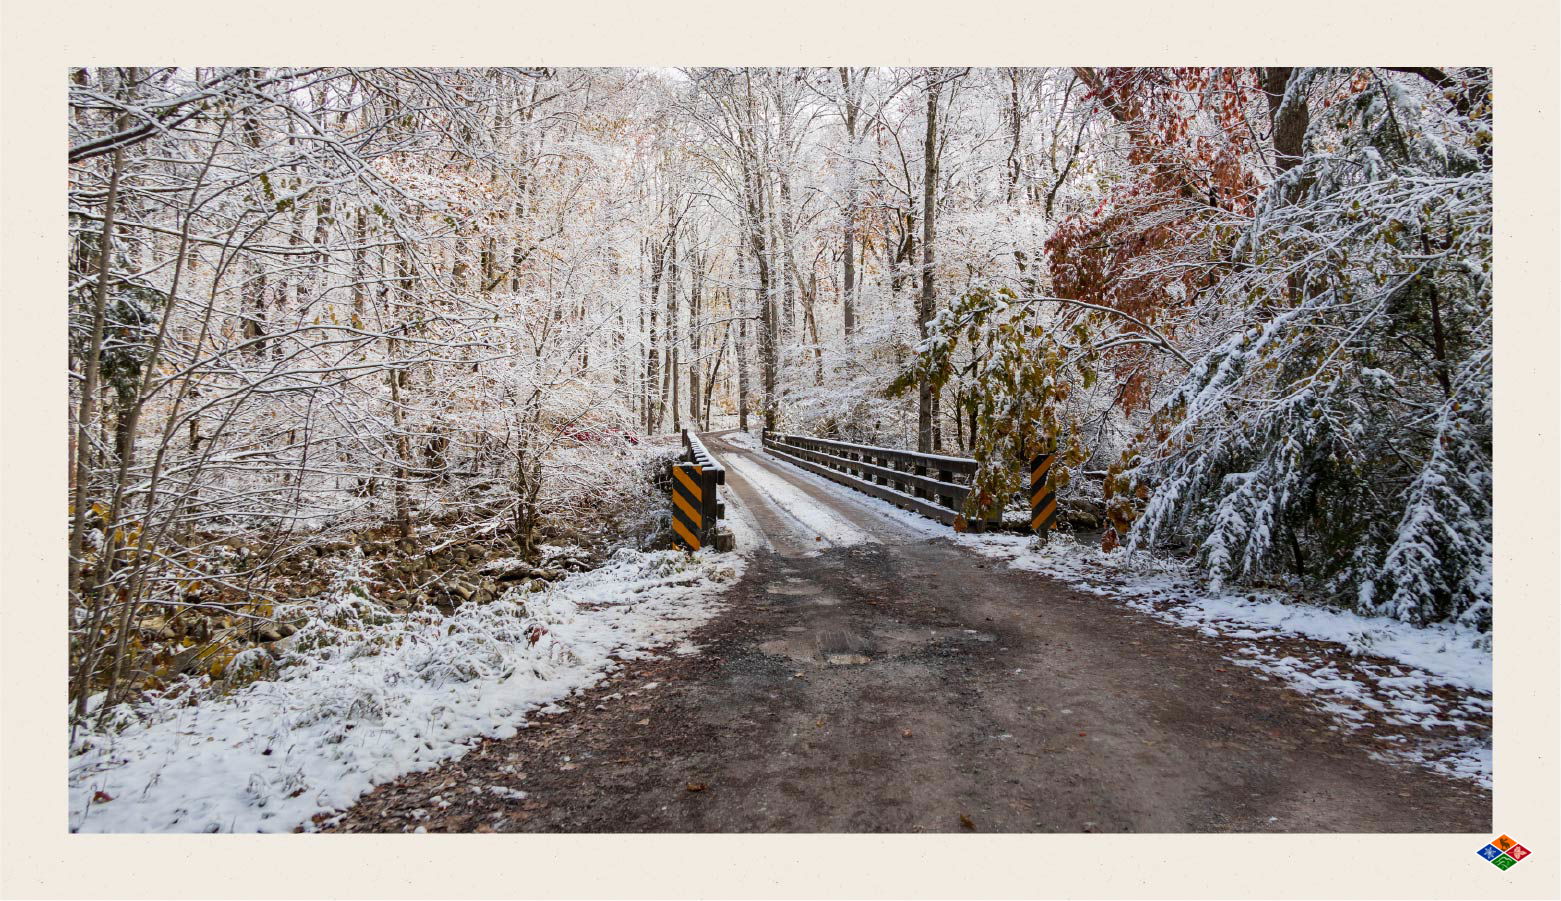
pixel 696 786
pixel 906 734
pixel 967 822
pixel 101 797
pixel 1082 734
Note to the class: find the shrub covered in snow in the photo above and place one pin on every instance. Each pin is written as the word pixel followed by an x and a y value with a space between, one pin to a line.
pixel 363 695
pixel 1341 434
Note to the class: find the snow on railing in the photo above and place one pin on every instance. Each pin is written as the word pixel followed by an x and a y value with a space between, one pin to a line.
pixel 696 498
pixel 934 485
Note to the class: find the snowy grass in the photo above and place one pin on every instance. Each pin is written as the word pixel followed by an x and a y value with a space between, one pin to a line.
pixel 364 696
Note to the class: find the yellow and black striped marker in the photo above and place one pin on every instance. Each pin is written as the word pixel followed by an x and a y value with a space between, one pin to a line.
pixel 688 505
pixel 1043 501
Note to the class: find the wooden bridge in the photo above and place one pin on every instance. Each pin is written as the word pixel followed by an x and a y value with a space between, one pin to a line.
pixel 934 485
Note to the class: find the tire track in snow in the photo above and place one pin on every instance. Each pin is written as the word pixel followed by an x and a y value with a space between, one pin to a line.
pixel 816 526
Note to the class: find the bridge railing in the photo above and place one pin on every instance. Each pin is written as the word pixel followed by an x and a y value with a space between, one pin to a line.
pixel 934 485
pixel 697 508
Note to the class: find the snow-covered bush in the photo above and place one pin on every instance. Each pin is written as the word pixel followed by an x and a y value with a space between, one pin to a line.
pixel 1341 433
pixel 363 695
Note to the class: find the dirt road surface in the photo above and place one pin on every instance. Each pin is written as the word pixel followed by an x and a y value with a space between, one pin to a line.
pixel 866 677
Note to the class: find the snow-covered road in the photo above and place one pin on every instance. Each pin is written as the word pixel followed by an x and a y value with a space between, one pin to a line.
pixel 807 522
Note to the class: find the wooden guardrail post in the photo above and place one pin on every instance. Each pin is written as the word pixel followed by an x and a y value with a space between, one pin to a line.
pixel 1043 498
pixel 688 505
pixel 696 498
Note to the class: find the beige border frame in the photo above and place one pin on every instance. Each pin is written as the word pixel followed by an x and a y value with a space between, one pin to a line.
pixel 1517 37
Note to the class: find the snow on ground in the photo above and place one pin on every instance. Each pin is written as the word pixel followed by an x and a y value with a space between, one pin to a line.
pixel 364 696
pixel 746 533
pixel 1424 692
pixel 744 440
pixel 808 519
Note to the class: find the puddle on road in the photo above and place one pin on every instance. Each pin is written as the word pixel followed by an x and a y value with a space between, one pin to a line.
pixel 837 645
pixel 804 592
pixel 834 646
pixel 847 659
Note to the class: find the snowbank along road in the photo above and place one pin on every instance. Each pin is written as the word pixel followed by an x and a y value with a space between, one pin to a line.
pixel 870 673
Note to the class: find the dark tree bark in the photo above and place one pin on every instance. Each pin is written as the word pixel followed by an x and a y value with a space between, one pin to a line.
pixel 695 266
pixel 753 180
pixel 742 342
pixel 848 229
pixel 928 297
pixel 1289 122
pixel 1015 133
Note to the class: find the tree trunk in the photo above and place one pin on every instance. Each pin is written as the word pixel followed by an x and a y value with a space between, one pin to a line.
pixel 925 407
pixel 85 413
pixel 1289 122
pixel 848 225
pixel 809 299
pixel 753 180
pixel 670 337
pixel 715 369
pixel 653 356
pixel 695 331
pixel 1016 133
pixel 397 413
pixel 742 344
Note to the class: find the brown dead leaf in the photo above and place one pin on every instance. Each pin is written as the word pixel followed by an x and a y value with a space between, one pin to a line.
pixel 101 797
pixel 696 786
pixel 967 822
